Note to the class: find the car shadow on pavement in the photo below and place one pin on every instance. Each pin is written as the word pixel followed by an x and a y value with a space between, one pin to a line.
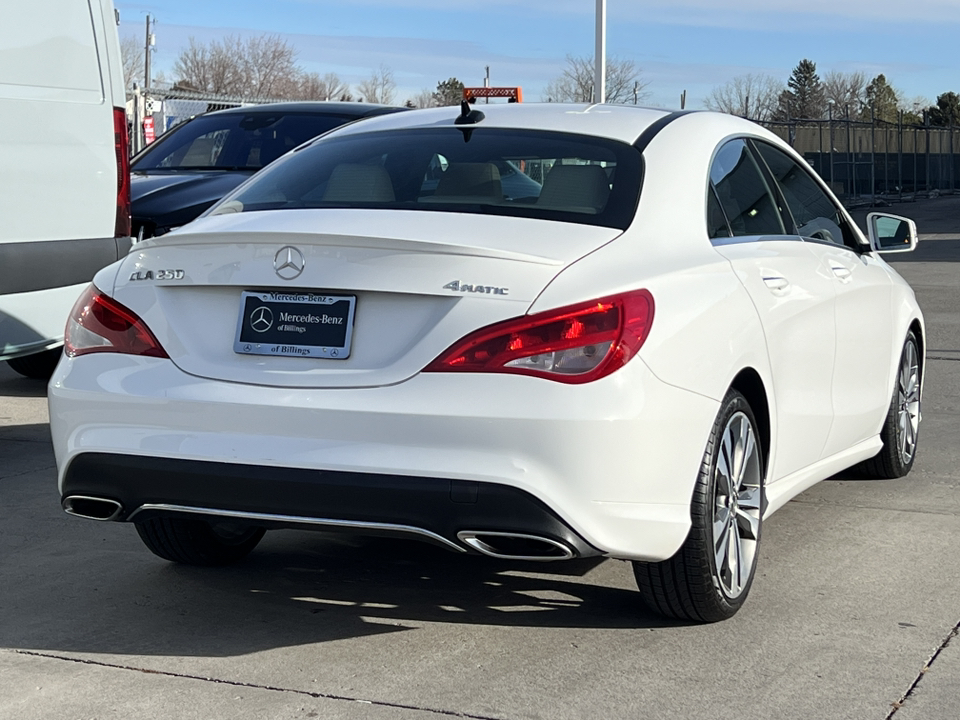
pixel 854 475
pixel 33 432
pixel 12 385
pixel 298 588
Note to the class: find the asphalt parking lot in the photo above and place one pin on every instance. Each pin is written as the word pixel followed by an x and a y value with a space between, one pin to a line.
pixel 854 611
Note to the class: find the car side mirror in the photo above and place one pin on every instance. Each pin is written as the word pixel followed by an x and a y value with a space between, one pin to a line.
pixel 891 233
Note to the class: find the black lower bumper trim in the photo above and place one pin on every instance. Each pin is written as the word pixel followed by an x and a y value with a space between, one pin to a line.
pixel 354 502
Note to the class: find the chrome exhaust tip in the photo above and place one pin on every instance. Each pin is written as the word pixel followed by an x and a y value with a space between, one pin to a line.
pixel 516 546
pixel 92 508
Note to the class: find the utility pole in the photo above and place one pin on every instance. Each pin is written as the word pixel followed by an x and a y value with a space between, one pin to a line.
pixel 149 42
pixel 486 82
pixel 683 100
pixel 600 56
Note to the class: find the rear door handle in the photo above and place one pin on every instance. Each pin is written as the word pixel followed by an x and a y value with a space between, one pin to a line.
pixel 776 282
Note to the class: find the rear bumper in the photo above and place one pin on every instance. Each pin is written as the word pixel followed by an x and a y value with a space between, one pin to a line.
pixel 607 466
pixel 432 509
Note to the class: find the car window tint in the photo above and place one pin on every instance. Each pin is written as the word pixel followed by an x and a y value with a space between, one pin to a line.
pixel 814 214
pixel 234 140
pixel 743 193
pixel 202 151
pixel 521 173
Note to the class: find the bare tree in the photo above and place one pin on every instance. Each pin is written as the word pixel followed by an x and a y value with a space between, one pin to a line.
pixel 846 91
pixel 379 87
pixel 212 68
pixel 751 96
pixel 269 67
pixel 132 53
pixel 314 86
pixel 258 67
pixel 575 83
pixel 424 99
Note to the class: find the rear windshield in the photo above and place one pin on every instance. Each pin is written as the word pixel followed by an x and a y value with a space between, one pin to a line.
pixel 521 173
pixel 234 141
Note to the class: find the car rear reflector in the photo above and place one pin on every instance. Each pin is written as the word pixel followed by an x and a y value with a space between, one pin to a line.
pixel 574 344
pixel 98 323
pixel 121 145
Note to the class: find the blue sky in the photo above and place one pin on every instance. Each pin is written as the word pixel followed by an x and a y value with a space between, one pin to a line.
pixel 691 45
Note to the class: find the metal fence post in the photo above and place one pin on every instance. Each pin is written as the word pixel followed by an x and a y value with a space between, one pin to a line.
pixel 900 153
pixel 952 186
pixel 136 123
pixel 916 165
pixel 820 148
pixel 851 184
pixel 830 118
pixel 873 159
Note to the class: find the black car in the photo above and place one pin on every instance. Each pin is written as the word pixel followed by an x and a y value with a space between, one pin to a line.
pixel 198 162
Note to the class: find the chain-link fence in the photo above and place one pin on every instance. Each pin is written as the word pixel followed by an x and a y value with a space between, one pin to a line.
pixel 869 161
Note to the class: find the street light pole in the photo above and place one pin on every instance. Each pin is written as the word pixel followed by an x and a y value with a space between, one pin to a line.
pixel 600 56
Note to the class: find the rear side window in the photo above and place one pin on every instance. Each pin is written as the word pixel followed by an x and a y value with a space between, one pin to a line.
pixel 743 193
pixel 476 170
pixel 814 214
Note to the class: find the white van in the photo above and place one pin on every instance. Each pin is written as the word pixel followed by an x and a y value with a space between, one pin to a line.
pixel 64 175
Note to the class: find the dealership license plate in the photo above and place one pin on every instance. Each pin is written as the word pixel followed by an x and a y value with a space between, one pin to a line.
pixel 295 324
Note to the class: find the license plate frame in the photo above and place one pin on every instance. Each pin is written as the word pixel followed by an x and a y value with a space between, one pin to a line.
pixel 295 324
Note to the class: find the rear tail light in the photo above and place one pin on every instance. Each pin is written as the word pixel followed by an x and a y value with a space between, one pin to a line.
pixel 121 145
pixel 575 344
pixel 98 323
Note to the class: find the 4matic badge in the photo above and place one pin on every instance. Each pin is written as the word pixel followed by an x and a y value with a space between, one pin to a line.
pixel 458 286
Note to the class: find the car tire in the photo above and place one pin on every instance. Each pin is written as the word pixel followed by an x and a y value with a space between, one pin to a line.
pixel 197 542
pixel 39 366
pixel 902 424
pixel 710 576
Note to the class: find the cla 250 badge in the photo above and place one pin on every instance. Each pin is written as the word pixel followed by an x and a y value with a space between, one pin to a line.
pixel 156 275
pixel 458 286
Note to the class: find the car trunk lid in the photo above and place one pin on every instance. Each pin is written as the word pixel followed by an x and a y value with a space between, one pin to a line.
pixel 421 281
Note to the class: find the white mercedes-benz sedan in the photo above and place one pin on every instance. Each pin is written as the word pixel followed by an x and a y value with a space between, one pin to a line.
pixel 536 332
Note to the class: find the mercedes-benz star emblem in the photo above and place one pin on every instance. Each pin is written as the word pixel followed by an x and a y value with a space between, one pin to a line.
pixel 288 262
pixel 261 319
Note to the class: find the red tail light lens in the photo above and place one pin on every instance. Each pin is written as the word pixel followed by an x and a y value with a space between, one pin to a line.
pixel 98 323
pixel 121 145
pixel 575 344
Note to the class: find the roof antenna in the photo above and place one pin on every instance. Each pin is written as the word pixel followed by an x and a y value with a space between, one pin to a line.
pixel 468 116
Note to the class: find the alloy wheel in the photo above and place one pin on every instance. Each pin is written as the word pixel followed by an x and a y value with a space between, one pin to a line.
pixel 908 403
pixel 736 506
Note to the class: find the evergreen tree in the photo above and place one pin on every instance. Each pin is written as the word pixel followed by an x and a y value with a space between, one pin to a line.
pixel 804 97
pixel 883 99
pixel 946 113
pixel 783 110
pixel 448 92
